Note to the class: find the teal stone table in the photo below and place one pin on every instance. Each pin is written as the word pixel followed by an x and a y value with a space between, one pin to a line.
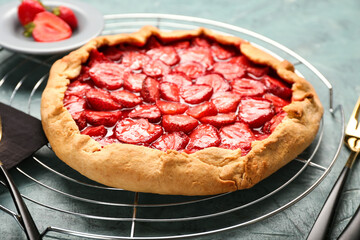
pixel 325 33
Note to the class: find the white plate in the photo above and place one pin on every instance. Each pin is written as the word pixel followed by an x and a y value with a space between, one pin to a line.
pixel 90 24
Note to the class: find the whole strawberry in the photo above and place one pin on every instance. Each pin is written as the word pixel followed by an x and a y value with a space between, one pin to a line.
pixel 28 9
pixel 67 15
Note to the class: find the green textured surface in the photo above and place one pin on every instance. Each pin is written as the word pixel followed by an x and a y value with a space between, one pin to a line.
pixel 324 32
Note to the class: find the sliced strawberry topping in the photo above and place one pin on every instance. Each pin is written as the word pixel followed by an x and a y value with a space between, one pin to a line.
pixel 248 87
pixel 255 111
pixel 191 69
pixel 181 45
pixel 197 93
pixel 237 135
pixel 279 103
pixel 134 81
pixel 173 141
pixel 226 102
pixel 230 71
pixel 179 79
pixel 78 88
pixel 255 70
pixel 199 55
pixel 202 110
pixel 80 119
pixel 202 137
pixel 220 119
pixel 156 68
pixel 270 126
pixel 277 87
pixel 171 108
pixel 137 131
pixel 126 99
pixel 166 54
pixel 221 52
pixel 113 53
pixel 169 91
pixel 179 123
pixel 107 75
pixel 101 100
pixel 135 60
pixel 97 131
pixel 74 104
pixel 217 82
pixel 150 90
pixel 150 112
pixel 97 118
pixel 201 42
pixel 96 57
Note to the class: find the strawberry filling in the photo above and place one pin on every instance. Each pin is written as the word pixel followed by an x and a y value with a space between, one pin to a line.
pixel 183 95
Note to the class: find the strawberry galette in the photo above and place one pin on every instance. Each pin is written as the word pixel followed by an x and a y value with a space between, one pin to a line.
pixel 181 112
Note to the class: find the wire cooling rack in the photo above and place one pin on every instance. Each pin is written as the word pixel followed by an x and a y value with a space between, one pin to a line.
pixel 78 207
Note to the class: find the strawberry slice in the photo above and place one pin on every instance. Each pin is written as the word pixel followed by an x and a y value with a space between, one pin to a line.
pixel 137 131
pixel 80 119
pixel 177 123
pixel 107 75
pixel 248 87
pixel 133 81
pixel 156 68
pixel 203 136
pixel 237 135
pixel 226 102
pixel 217 82
pixel 96 132
pixel 179 79
pixel 150 90
pixel 256 111
pixel 67 15
pixel 197 54
pixel 253 69
pixel 270 126
pixel 230 71
pixel 202 110
pixel 96 57
pixel 78 88
pixel 221 52
pixel 125 98
pixel 84 75
pixel 101 100
pixel 47 27
pixel 191 69
pixel 169 91
pixel 150 112
pixel 74 103
pixel 135 60
pixel 171 108
pixel 28 9
pixel 174 141
pixel 277 87
pixel 113 53
pixel 219 120
pixel 197 93
pixel 181 45
pixel 278 103
pixel 201 42
pixel 166 54
pixel 97 118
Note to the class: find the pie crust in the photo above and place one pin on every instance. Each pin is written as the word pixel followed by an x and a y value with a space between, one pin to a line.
pixel 209 171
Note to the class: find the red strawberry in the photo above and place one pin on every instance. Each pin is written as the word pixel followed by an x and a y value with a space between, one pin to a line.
pixel 150 90
pixel 98 131
pixel 200 55
pixel 226 102
pixel 171 108
pixel 78 88
pixel 126 99
pixel 67 15
pixel 169 91
pixel 248 87
pixel 218 83
pixel 84 75
pixel 181 45
pixel 166 54
pixel 113 53
pixel 179 123
pixel 201 42
pixel 28 9
pixel 150 112
pixel 153 42
pixel 74 104
pixel 237 135
pixel 101 100
pixel 279 103
pixel 230 71
pixel 133 81
pixel 173 141
pixel 97 118
pixel 221 52
pixel 219 120
pixel 191 69
pixel 96 57
pixel 135 60
pixel 47 27
pixel 107 75
pixel 270 126
pixel 80 119
pixel 256 70
pixel 197 93
pixel 179 79
pixel 202 110
pixel 255 111
pixel 156 68
pixel 277 87
pixel 203 136
pixel 137 131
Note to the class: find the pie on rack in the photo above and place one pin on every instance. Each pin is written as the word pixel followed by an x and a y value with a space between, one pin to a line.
pixel 181 112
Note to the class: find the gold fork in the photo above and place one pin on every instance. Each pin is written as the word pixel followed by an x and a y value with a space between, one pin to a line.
pixel 352 140
pixel 26 220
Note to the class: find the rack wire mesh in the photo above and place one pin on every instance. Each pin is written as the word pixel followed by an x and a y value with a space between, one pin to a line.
pixel 92 210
